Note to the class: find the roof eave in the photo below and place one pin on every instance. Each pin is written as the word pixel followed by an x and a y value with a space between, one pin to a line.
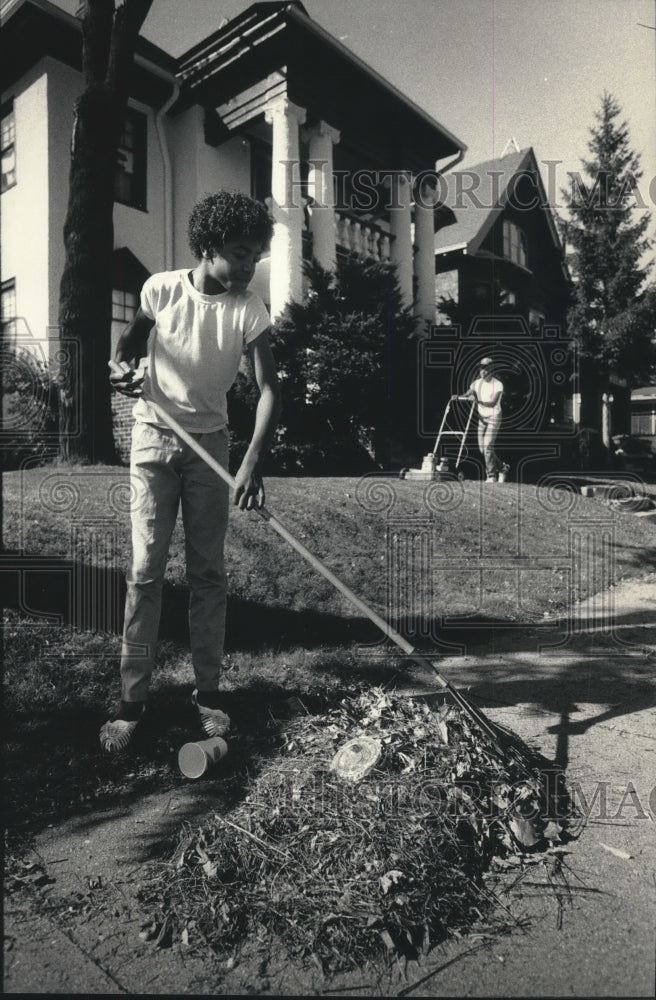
pixel 451 249
pixel 145 48
pixel 306 22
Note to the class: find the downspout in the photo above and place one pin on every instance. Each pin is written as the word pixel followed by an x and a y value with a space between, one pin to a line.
pixel 166 156
pixel 168 176
pixel 458 158
pixel 453 163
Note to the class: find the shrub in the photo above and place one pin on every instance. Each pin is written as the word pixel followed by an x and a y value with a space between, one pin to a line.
pixel 346 361
pixel 29 407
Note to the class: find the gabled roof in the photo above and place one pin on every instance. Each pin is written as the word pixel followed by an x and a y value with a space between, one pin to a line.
pixel 474 197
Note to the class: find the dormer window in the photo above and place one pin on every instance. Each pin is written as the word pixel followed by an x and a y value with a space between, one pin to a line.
pixel 514 244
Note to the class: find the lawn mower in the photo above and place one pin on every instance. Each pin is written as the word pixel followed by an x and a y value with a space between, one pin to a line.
pixel 435 466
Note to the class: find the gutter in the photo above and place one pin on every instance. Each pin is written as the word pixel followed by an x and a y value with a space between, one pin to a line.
pixel 165 154
pixel 454 162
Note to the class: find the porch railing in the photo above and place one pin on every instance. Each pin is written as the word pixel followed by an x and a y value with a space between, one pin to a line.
pixel 352 233
pixel 362 236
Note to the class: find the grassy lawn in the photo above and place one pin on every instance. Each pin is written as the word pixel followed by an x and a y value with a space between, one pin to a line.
pixel 430 557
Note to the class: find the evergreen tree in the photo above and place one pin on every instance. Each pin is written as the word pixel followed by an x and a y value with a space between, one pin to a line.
pixel 612 317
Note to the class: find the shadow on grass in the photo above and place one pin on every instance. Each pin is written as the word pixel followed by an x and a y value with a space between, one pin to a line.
pixel 55 769
pixel 92 598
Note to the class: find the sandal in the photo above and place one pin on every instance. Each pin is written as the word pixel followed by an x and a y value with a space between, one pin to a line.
pixel 116 735
pixel 213 720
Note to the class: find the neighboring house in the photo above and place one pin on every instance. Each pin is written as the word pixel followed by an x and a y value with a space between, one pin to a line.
pixel 496 232
pixel 643 414
pixel 270 104
pixel 500 263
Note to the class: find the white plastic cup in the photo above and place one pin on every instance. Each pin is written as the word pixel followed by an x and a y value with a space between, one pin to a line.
pixel 195 758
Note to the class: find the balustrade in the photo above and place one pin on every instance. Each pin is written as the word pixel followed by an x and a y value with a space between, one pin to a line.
pixel 364 237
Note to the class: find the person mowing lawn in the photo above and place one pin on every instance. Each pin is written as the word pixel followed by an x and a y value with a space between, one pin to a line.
pixel 487 390
pixel 192 326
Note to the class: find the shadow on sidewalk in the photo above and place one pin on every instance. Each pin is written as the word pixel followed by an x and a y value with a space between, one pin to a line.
pixel 558 669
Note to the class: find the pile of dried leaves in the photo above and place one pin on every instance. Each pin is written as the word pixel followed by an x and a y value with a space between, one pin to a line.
pixel 344 872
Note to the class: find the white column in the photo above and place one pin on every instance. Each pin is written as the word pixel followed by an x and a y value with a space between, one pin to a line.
pixel 321 138
pixel 287 205
pixel 400 194
pixel 375 244
pixel 606 429
pixel 343 230
pixel 424 259
pixel 356 237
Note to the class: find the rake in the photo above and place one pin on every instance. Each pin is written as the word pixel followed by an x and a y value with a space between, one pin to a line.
pixel 504 741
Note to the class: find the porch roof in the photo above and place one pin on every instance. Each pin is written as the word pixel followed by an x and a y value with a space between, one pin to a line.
pixel 321 75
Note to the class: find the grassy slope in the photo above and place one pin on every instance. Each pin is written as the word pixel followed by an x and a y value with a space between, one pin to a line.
pixel 465 528
pixel 435 552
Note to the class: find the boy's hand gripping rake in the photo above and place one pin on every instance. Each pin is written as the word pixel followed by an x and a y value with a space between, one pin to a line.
pixel 478 717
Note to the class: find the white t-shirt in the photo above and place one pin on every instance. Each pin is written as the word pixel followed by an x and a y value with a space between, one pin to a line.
pixel 486 390
pixel 194 349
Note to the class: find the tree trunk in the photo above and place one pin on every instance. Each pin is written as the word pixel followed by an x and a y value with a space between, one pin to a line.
pixel 85 307
pixel 591 389
pixel 85 301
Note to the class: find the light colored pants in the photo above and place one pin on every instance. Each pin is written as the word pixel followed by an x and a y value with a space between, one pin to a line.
pixel 488 428
pixel 164 473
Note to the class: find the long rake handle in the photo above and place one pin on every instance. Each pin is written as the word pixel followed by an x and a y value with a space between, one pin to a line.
pixel 339 585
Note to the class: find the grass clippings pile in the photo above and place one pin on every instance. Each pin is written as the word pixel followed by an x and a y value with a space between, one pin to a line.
pixel 345 872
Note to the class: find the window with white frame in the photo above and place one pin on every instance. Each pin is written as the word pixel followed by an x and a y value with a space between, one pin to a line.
pixel 514 244
pixel 643 424
pixel 130 178
pixel 124 305
pixel 124 309
pixel 8 148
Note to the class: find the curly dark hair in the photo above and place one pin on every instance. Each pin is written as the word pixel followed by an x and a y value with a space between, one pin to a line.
pixel 227 215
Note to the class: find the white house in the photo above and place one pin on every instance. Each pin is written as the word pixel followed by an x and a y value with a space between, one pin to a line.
pixel 270 104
